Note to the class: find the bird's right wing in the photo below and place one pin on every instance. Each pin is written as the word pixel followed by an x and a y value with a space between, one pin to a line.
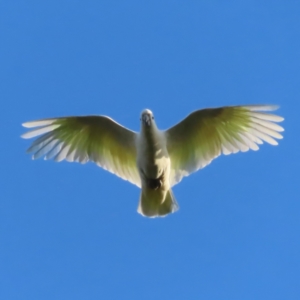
pixel 205 134
pixel 82 139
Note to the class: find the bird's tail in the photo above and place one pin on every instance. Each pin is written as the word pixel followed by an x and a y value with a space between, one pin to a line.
pixel 151 204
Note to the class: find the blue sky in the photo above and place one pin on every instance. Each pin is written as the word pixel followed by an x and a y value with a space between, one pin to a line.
pixel 69 231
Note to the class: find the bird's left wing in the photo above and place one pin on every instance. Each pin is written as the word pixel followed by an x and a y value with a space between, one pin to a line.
pixel 205 134
pixel 89 138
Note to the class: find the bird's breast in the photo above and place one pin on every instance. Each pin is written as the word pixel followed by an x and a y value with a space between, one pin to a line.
pixel 153 159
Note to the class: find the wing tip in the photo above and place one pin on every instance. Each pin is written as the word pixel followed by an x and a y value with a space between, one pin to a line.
pixel 38 123
pixel 24 136
pixel 262 107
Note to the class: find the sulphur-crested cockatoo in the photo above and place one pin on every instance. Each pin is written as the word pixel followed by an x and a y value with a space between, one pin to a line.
pixel 152 159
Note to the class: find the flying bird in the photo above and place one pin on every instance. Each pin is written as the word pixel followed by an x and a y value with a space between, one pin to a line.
pixel 155 160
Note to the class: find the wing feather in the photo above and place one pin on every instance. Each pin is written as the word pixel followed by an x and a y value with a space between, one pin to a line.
pixel 205 134
pixel 88 138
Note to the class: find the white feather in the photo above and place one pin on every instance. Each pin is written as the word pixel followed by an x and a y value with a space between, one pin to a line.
pixel 36 132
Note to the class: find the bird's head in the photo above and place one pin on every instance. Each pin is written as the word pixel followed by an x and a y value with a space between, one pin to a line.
pixel 147 117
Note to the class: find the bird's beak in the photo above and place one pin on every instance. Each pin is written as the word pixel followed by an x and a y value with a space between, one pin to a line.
pixel 146 119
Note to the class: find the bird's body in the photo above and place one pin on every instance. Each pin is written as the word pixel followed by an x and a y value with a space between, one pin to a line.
pixel 152 159
pixel 154 165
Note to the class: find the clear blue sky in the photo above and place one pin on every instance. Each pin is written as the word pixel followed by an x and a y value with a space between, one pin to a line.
pixel 69 231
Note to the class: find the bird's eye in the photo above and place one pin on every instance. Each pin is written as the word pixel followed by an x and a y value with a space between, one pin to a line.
pixel 152 118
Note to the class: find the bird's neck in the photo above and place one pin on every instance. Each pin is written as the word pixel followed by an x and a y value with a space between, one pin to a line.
pixel 150 133
pixel 151 138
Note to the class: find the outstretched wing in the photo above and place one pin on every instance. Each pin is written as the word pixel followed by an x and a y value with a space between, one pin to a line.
pixel 205 134
pixel 82 139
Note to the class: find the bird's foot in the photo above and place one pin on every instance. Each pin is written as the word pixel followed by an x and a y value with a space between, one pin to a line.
pixel 154 184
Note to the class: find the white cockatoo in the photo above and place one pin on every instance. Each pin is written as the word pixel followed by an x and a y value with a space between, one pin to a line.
pixel 152 159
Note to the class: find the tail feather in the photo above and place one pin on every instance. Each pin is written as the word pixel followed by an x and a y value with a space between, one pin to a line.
pixel 152 206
